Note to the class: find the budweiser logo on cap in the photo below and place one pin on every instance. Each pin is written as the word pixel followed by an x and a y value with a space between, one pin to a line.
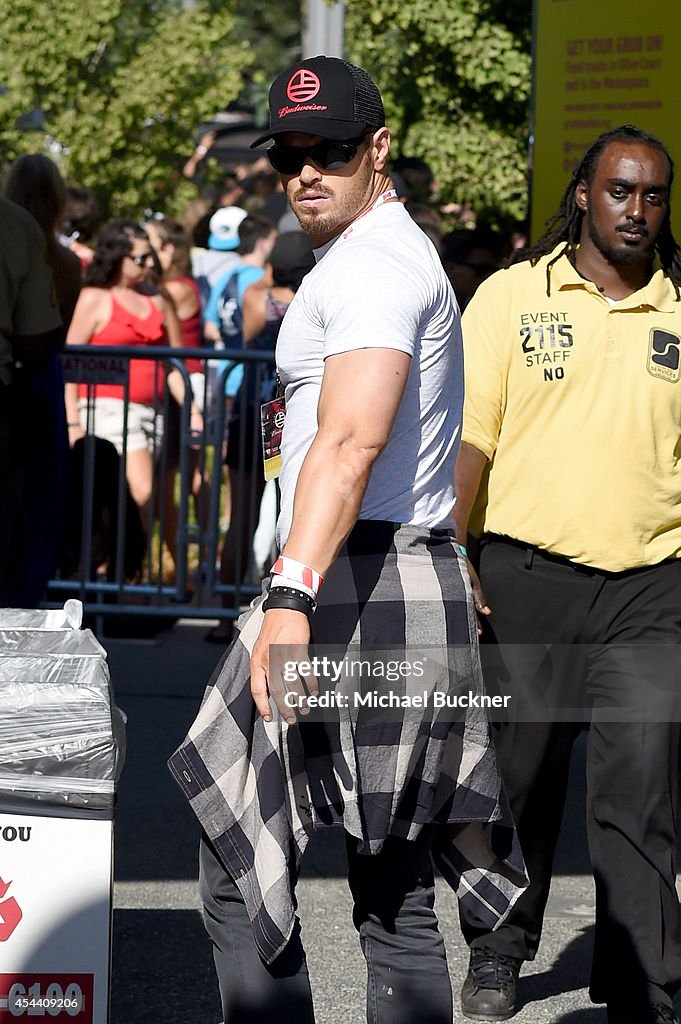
pixel 303 86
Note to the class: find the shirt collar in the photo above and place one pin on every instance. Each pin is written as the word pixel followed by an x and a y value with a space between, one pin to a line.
pixel 658 294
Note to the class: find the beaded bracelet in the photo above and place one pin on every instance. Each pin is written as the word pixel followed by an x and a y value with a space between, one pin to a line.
pixel 289 599
pixel 286 581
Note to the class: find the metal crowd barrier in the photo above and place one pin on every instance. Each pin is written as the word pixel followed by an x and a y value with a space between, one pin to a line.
pixel 103 530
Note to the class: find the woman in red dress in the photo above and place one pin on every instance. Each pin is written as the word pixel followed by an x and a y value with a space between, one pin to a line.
pixel 112 311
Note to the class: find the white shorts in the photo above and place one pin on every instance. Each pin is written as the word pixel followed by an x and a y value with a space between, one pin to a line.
pixel 145 425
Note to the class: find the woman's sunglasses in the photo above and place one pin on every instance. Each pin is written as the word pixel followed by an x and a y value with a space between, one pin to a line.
pixel 142 259
pixel 327 155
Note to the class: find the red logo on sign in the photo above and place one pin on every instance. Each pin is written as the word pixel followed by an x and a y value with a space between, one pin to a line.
pixel 303 86
pixel 10 913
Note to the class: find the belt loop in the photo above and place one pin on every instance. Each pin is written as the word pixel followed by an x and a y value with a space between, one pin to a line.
pixel 529 557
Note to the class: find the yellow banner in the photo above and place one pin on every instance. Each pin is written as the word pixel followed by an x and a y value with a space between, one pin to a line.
pixel 599 64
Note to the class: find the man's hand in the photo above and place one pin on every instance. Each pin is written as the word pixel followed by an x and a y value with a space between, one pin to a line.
pixel 292 629
pixel 479 600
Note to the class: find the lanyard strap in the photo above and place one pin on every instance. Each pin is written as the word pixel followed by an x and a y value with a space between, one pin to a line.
pixel 385 197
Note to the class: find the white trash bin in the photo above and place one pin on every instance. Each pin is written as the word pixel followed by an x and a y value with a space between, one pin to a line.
pixel 61 752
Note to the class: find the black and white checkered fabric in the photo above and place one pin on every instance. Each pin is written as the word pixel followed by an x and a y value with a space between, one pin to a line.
pixel 259 789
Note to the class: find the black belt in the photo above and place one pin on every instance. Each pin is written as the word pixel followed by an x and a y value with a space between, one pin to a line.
pixel 532 552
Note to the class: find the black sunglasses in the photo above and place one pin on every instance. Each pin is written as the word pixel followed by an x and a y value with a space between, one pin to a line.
pixel 141 261
pixel 327 155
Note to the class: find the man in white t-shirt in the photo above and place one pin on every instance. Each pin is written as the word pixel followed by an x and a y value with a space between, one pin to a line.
pixel 369 356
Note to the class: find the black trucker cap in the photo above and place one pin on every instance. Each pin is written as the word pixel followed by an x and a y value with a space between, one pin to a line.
pixel 323 96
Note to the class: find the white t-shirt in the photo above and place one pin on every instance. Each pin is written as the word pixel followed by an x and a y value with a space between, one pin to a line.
pixel 380 284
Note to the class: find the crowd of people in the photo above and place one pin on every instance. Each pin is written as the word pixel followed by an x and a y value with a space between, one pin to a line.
pixel 552 450
pixel 204 278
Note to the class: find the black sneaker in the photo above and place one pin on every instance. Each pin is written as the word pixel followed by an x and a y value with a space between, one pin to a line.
pixel 489 991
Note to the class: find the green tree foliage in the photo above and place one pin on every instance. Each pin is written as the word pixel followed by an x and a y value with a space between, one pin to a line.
pixel 455 77
pixel 274 32
pixel 122 84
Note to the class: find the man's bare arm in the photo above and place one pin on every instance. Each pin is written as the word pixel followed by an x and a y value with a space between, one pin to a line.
pixel 360 395
pixel 359 399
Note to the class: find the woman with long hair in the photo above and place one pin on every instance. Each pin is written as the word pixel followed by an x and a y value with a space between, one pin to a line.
pixel 34 182
pixel 112 310
pixel 172 247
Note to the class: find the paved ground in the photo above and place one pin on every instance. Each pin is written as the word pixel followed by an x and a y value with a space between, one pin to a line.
pixel 162 969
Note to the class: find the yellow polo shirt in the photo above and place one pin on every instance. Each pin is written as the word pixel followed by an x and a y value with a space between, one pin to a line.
pixel 577 403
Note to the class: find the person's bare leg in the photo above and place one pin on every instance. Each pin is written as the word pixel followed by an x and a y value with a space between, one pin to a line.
pixel 139 469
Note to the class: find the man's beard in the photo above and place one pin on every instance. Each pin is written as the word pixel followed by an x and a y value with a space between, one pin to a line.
pixel 316 222
pixel 621 256
pixel 343 208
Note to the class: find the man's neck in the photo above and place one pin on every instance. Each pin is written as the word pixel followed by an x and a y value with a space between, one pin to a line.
pixel 380 185
pixel 616 280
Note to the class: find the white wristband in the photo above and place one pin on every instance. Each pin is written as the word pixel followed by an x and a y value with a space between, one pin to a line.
pixel 298 573
pixel 201 150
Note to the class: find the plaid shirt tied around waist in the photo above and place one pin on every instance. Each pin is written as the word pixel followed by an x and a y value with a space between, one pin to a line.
pixel 259 788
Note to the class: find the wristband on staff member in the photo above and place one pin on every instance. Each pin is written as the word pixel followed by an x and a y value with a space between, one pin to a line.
pixel 289 599
pixel 201 150
pixel 299 572
pixel 462 548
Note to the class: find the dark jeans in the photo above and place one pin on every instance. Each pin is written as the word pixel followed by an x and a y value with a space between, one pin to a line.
pixel 619 641
pixel 393 895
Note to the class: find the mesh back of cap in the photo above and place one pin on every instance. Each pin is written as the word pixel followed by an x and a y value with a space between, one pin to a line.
pixel 368 102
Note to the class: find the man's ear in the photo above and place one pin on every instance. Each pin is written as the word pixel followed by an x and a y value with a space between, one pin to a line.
pixel 582 196
pixel 381 147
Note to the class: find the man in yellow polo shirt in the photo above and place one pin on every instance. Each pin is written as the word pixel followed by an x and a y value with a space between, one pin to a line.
pixel 573 420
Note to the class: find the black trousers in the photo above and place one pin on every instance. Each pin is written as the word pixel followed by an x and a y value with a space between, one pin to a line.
pixel 565 639
pixel 393 894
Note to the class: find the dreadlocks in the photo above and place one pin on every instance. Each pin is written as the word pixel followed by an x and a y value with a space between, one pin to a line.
pixel 566 224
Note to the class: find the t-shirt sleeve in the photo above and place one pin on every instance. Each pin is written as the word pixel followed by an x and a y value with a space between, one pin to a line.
pixel 35 309
pixel 484 368
pixel 363 307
